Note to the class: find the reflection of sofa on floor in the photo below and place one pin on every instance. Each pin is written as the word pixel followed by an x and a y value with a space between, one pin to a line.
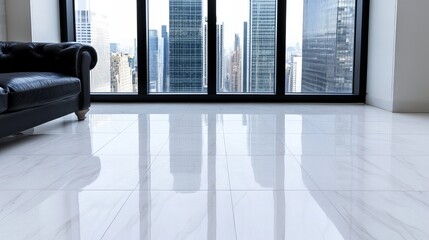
pixel 54 213
pixel 63 206
pixel 43 81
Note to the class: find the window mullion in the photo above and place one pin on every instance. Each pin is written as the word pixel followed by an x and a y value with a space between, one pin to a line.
pixel 211 50
pixel 281 48
pixel 142 49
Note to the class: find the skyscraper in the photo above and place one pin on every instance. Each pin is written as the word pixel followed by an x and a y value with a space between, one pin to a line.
pixel 262 45
pixel 186 46
pixel 153 60
pixel 121 73
pixel 205 54
pixel 165 66
pixel 328 43
pixel 220 83
pixel 295 75
pixel 234 67
pixel 245 58
pixel 92 28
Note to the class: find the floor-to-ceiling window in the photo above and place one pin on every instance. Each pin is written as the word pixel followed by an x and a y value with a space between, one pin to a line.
pixel 320 38
pixel 177 43
pixel 224 50
pixel 246 46
pixel 110 26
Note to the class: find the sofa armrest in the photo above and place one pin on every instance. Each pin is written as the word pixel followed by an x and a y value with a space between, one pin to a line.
pixel 65 58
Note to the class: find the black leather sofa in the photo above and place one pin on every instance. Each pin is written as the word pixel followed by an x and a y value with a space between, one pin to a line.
pixel 43 81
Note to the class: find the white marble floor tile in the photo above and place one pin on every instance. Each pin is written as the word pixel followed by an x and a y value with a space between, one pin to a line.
pixel 299 215
pixel 411 144
pixel 234 117
pixel 135 144
pixel 348 173
pixel 23 144
pixel 184 144
pixel 114 114
pixel 148 127
pixel 36 172
pixel 105 173
pixel 318 144
pixel 58 215
pixel 384 215
pixel 268 173
pixel 388 144
pixel 250 124
pixel 418 127
pixel 364 128
pixel 218 171
pixel 390 128
pixel 254 144
pixel 90 125
pixel 186 173
pixel 55 144
pixel 12 200
pixel 174 215
pixel 413 171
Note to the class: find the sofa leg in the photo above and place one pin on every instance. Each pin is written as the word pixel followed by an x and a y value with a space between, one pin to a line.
pixel 81 114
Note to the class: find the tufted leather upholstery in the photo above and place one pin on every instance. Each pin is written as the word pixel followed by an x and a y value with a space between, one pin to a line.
pixel 32 89
pixel 44 57
pixel 43 81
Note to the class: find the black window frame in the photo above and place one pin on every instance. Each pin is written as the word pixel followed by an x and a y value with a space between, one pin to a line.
pixel 360 62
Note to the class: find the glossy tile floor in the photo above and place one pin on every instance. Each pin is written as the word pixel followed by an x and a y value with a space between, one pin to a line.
pixel 219 171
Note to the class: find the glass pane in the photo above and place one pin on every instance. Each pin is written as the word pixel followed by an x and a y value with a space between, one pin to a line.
pixel 320 46
pixel 246 46
pixel 110 27
pixel 177 46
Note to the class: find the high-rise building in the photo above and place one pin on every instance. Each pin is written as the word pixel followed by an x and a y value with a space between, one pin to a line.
pixel 186 46
pixel 234 67
pixel 220 83
pixel 328 43
pixel 153 61
pixel 245 58
pixel 134 67
pixel 295 74
pixel 92 27
pixel 121 73
pixel 160 81
pixel 165 61
pixel 205 54
pixel 262 45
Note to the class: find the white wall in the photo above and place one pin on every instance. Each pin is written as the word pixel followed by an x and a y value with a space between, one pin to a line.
pixel 3 35
pixel 398 51
pixel 381 57
pixel 45 21
pixel 33 20
pixel 411 91
pixel 18 20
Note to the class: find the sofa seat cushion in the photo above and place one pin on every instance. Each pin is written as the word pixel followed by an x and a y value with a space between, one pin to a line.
pixel 32 89
pixel 3 100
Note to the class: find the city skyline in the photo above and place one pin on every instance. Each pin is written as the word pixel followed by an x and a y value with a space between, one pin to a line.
pixel 177 51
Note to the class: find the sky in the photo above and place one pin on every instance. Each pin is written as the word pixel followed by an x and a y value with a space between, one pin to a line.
pixel 123 18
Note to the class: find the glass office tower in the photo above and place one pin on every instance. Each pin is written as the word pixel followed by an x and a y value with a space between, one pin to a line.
pixel 186 46
pixel 328 46
pixel 262 47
